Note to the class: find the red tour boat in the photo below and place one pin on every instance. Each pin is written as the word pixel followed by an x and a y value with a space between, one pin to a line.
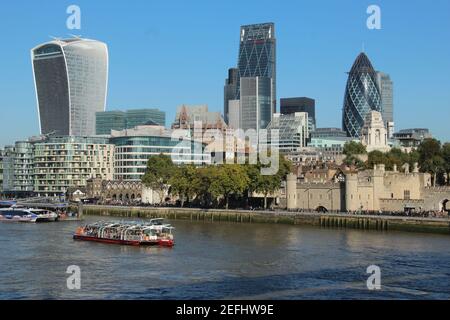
pixel 153 233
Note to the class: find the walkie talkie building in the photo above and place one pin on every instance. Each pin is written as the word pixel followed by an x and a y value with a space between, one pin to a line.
pixel 362 95
pixel 71 80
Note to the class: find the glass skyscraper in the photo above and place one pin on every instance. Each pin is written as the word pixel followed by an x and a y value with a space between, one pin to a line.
pixel 362 95
pixel 71 80
pixel 256 103
pixel 257 55
pixel 387 98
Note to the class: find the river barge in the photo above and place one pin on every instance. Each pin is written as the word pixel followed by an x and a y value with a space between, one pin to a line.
pixel 152 233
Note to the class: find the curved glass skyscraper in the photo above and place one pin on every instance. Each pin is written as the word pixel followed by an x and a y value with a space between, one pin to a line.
pixel 362 95
pixel 71 80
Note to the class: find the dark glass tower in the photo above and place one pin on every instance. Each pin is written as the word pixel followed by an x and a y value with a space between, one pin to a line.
pixel 230 91
pixel 362 95
pixel 257 55
pixel 303 104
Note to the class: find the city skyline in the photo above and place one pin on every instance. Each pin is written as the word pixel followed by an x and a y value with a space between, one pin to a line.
pixel 326 85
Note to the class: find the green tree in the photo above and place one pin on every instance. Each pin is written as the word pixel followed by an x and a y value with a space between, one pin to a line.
pixel 378 157
pixel 228 179
pixel 201 183
pixel 446 157
pixel 354 148
pixel 160 168
pixel 285 167
pixel 184 183
pixel 351 151
pixel 267 184
pixel 430 158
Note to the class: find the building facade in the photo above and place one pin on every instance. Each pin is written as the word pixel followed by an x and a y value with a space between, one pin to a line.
pixel 71 80
pixel 23 167
pixel 234 118
pixel 328 133
pixel 230 92
pixel 109 120
pixel 138 117
pixel 120 120
pixel 255 103
pixel 17 169
pixel 303 104
pixel 64 162
pixel 362 95
pixel 1 171
pixel 374 135
pixel 133 148
pixel 386 86
pixel 412 138
pixel 292 131
pixel 200 123
pixel 368 190
pixel 8 169
pixel 257 57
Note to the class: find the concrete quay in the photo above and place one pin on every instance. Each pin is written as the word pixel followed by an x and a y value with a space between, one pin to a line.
pixel 326 220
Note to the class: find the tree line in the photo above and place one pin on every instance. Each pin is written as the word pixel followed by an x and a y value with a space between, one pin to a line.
pixel 214 185
pixel 432 157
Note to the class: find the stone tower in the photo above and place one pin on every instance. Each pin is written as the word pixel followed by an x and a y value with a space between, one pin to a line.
pixel 351 192
pixel 291 191
pixel 374 134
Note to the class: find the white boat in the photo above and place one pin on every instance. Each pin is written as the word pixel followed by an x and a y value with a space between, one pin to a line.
pixel 22 214
pixel 44 215
pixel 16 214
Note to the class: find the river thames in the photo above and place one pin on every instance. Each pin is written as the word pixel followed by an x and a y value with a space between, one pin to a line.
pixel 225 261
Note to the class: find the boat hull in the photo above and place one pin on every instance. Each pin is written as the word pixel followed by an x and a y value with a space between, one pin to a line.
pixel 161 243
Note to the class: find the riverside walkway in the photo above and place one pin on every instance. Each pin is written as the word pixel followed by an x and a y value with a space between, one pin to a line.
pixel 324 220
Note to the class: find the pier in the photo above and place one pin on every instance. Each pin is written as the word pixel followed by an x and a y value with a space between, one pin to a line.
pixel 326 220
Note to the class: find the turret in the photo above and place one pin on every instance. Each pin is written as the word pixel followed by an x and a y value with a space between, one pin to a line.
pixel 291 191
pixel 351 192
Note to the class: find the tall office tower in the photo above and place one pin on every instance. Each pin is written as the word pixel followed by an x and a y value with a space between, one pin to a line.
pixel 71 80
pixel 257 56
pixel 386 86
pixel 256 103
pixel 230 91
pixel 303 104
pixel 362 95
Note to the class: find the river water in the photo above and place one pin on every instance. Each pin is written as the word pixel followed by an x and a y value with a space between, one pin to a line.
pixel 225 261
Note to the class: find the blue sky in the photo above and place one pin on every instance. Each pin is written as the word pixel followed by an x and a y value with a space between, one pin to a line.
pixel 166 53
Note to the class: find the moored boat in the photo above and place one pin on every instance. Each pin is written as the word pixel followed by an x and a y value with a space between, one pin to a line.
pixel 127 233
pixel 21 214
pixel 17 214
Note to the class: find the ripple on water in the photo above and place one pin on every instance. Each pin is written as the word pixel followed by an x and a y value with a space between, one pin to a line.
pixel 226 260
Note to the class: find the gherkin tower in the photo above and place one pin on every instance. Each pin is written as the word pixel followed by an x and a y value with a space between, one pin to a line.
pixel 362 95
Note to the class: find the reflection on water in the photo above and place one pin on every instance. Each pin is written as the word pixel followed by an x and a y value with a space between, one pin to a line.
pixel 224 260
